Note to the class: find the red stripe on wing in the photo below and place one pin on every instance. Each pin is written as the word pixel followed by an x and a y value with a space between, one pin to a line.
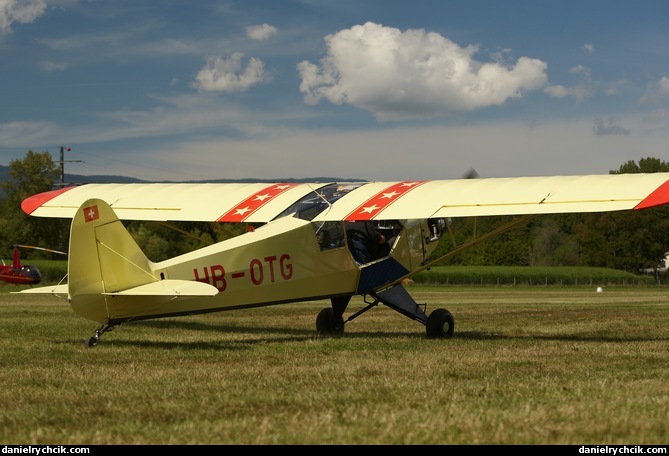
pixel 658 197
pixel 254 202
pixel 383 199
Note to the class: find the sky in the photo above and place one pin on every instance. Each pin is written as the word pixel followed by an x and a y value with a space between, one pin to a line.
pixel 379 90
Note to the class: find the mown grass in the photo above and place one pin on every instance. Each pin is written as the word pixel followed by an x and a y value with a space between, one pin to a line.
pixel 532 365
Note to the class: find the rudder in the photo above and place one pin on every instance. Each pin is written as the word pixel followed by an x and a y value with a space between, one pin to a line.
pixel 103 258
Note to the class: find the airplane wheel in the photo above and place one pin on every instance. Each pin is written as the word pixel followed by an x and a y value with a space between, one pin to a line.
pixel 92 342
pixel 327 324
pixel 440 325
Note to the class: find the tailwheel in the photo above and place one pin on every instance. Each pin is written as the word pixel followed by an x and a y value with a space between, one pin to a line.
pixel 92 341
pixel 328 324
pixel 95 338
pixel 440 325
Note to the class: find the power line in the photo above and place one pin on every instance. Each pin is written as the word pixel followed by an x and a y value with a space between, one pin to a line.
pixel 62 165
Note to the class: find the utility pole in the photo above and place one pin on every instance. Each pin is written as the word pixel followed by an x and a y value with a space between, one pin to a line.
pixel 62 164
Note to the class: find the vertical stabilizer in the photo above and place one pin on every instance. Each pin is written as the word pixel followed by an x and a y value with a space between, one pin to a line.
pixel 103 258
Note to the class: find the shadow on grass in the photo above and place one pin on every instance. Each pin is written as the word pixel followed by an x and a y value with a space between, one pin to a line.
pixel 286 334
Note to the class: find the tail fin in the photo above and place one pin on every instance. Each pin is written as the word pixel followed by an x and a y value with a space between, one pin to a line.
pixel 103 255
pixel 103 258
pixel 109 277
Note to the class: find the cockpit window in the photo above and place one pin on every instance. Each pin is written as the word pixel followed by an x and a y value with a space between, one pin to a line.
pixel 329 235
pixel 319 200
pixel 30 271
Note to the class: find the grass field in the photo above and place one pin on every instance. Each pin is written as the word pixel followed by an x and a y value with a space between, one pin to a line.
pixel 533 365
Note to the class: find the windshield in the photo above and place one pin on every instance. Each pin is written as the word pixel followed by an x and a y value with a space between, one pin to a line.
pixel 314 203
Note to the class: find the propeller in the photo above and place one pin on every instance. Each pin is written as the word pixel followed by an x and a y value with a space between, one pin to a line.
pixel 471 174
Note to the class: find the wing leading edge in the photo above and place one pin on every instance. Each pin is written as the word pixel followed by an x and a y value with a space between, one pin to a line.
pixel 501 196
pixel 226 202
pixel 262 202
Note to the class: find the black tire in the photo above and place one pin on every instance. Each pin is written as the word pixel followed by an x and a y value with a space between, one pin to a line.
pixel 327 324
pixel 440 325
pixel 92 342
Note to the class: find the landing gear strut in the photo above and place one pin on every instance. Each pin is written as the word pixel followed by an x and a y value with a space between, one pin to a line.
pixel 93 340
pixel 438 325
pixel 330 321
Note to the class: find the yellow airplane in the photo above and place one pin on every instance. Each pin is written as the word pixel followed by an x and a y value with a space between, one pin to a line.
pixel 304 246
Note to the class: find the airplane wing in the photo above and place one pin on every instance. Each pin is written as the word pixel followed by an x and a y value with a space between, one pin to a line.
pixel 262 202
pixel 226 202
pixel 500 196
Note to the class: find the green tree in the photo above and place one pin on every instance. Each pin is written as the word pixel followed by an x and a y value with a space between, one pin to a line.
pixel 552 242
pixel 35 173
pixel 629 240
pixel 160 241
pixel 507 248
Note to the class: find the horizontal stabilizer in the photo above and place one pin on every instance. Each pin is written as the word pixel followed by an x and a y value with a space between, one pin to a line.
pixel 57 290
pixel 176 288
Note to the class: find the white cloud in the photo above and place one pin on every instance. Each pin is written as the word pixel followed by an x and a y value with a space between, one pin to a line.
pixel 580 69
pixel 609 127
pixel 557 91
pixel 615 87
pixel 52 66
pixel 663 86
pixel 579 92
pixel 400 75
pixel 658 115
pixel 228 75
pixel 589 48
pixel 503 149
pixel 18 134
pixel 261 32
pixel 656 90
pixel 21 11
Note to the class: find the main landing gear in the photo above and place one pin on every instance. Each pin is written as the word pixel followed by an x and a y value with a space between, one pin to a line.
pixel 439 325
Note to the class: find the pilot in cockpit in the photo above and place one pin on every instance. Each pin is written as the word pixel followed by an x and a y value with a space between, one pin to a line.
pixel 366 242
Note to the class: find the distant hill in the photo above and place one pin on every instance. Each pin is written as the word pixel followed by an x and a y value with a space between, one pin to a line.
pixel 76 179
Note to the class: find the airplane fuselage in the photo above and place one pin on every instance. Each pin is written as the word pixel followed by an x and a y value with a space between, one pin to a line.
pixel 281 261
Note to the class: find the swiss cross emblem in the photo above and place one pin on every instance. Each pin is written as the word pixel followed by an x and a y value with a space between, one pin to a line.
pixel 91 213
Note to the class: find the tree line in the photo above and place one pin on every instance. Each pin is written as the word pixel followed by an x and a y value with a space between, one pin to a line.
pixel 631 241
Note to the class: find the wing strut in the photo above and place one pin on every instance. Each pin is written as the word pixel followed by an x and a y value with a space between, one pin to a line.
pixel 427 265
pixel 502 229
pixel 398 299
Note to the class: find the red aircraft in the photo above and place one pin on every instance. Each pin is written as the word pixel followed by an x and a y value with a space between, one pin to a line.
pixel 22 274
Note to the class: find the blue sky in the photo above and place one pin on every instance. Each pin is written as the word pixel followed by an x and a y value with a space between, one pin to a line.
pixel 368 89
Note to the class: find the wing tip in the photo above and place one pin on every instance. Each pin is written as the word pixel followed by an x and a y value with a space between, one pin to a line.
pixel 32 203
pixel 657 197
